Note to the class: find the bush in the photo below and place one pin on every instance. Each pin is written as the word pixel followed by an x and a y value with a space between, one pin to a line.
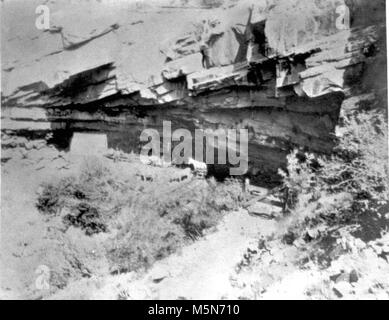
pixel 143 239
pixel 89 198
pixel 49 199
pixel 352 181
pixel 165 217
pixel 87 218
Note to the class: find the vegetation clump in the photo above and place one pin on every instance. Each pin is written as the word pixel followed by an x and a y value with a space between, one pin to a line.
pixel 145 219
pixel 347 189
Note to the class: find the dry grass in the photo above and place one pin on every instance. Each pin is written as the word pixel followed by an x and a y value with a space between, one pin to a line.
pixel 146 213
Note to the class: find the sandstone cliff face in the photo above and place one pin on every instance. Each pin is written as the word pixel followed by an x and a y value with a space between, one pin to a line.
pixel 281 69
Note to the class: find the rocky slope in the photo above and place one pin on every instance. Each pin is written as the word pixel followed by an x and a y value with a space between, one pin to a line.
pixel 281 69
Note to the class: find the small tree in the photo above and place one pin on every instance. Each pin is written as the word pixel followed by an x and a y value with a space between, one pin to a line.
pixel 353 180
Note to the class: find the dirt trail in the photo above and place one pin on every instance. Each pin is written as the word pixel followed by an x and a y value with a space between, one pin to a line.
pixel 203 270
pixel 200 271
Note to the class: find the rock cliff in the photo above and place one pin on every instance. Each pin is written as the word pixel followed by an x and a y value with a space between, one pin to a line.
pixel 281 69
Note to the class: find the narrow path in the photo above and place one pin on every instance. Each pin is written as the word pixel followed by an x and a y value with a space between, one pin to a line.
pixel 201 271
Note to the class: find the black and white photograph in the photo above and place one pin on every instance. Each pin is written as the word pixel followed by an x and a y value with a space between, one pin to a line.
pixel 203 150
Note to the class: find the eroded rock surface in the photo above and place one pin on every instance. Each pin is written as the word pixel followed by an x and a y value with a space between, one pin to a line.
pixel 280 69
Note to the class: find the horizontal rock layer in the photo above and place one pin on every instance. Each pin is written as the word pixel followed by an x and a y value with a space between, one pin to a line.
pixel 229 72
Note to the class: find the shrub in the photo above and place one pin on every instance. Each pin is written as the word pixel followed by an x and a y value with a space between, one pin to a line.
pixel 164 217
pixel 49 199
pixel 143 239
pixel 87 218
pixel 90 196
pixel 353 180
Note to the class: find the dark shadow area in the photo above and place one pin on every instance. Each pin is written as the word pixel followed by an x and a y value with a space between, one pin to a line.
pixel 61 139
